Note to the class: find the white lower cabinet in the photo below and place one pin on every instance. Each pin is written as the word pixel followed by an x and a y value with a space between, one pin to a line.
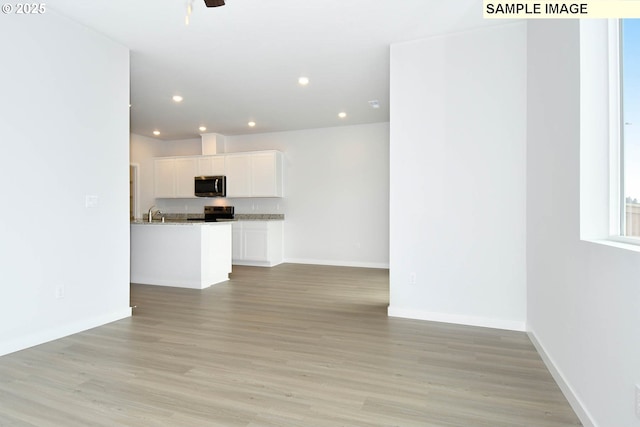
pixel 258 243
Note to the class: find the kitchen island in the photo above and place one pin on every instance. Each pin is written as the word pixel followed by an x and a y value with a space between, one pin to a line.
pixel 185 254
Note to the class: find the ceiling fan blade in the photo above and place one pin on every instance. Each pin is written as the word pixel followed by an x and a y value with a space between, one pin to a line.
pixel 214 3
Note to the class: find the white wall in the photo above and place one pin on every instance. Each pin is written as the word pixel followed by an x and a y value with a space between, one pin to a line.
pixel 583 298
pixel 64 126
pixel 336 202
pixel 457 224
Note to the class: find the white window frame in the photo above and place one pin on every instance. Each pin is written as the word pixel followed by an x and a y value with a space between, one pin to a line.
pixel 601 207
pixel 616 211
pixel 617 202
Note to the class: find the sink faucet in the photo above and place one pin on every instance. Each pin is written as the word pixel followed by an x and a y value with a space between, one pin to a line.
pixel 152 211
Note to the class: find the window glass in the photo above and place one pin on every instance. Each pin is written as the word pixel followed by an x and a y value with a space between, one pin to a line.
pixel 630 83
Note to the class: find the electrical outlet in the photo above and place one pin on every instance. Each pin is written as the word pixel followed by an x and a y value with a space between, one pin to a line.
pixel 60 291
pixel 412 278
pixel 637 401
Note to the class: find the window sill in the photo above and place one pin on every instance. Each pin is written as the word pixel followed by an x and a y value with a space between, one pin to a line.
pixel 620 242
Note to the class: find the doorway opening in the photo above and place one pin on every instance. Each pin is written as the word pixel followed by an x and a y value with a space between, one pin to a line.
pixel 134 197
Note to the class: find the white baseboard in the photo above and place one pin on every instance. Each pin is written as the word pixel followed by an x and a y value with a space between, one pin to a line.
pixel 186 283
pixel 256 263
pixel 486 322
pixel 61 331
pixel 381 265
pixel 569 394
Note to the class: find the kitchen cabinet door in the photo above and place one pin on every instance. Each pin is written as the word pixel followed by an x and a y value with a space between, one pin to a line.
pixel 266 174
pixel 236 241
pixel 186 170
pixel 257 243
pixel 211 165
pixel 238 171
pixel 164 178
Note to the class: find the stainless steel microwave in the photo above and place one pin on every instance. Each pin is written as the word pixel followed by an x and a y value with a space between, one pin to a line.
pixel 210 186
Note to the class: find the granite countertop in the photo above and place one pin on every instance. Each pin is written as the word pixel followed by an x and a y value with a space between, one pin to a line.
pixel 259 217
pixel 173 218
pixel 177 222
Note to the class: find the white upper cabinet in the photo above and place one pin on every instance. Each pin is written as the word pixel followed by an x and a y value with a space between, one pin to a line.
pixel 250 174
pixel 266 174
pixel 211 165
pixel 173 177
pixel 254 174
pixel 164 178
pixel 238 171
pixel 186 170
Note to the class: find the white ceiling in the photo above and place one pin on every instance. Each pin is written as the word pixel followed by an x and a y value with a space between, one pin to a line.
pixel 240 62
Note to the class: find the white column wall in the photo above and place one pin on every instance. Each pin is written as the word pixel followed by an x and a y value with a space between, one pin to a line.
pixel 457 159
pixel 64 127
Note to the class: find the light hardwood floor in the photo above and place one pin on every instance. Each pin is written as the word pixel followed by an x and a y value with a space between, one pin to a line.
pixel 293 345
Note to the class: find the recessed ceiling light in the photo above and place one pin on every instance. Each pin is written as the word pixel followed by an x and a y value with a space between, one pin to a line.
pixel 156 132
pixel 303 81
pixel 251 124
pixel 202 128
pixel 177 98
pixel 342 115
pixel 374 103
